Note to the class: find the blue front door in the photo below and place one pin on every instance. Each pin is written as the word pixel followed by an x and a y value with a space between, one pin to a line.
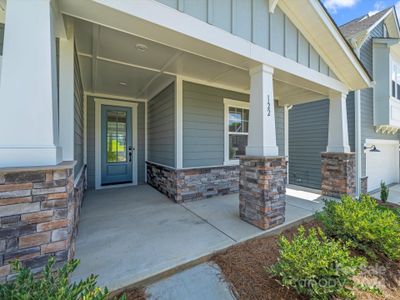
pixel 116 145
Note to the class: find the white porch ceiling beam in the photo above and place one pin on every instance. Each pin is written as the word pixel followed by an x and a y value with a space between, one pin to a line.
pixel 170 61
pixel 95 50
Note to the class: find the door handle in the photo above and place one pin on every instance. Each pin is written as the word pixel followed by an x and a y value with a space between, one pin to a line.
pixel 130 148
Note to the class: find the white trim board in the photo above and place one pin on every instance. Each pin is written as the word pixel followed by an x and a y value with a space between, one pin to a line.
pixel 111 97
pixel 230 103
pixel 134 106
pixel 179 123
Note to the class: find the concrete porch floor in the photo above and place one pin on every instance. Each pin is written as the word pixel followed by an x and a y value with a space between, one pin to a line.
pixel 129 234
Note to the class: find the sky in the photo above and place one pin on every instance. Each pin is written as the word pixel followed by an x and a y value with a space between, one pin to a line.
pixel 346 10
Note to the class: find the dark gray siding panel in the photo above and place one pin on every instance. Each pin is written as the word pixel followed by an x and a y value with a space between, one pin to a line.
pixel 91 142
pixel 351 122
pixel 251 20
pixel 1 38
pixel 78 117
pixel 203 124
pixel 161 127
pixel 308 137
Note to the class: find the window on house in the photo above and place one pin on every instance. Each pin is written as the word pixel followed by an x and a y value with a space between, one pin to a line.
pixel 236 129
pixel 395 81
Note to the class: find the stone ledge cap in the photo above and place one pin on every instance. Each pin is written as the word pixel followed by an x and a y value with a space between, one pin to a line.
pixel 61 166
pixel 261 157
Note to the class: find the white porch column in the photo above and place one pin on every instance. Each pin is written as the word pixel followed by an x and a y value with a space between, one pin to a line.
pixel 66 95
pixel 262 134
pixel 28 88
pixel 338 135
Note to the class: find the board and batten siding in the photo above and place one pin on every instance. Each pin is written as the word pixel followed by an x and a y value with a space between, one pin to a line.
pixel 161 127
pixel 91 148
pixel 367 96
pixel 251 20
pixel 308 138
pixel 78 117
pixel 203 124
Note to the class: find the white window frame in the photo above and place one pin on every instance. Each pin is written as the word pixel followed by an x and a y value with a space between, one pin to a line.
pixel 227 104
pixel 394 66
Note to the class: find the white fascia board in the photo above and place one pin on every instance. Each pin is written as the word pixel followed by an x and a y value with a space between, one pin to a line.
pixel 161 24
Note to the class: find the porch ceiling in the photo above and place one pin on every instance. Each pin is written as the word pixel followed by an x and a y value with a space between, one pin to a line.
pixel 121 64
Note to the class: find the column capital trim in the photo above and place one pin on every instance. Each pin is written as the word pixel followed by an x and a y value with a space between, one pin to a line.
pixel 261 68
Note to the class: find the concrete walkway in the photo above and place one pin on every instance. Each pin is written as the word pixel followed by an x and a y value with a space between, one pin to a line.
pixel 204 281
pixel 129 234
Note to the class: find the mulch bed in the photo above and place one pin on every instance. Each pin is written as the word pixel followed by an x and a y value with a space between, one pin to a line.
pixel 244 267
pixel 136 293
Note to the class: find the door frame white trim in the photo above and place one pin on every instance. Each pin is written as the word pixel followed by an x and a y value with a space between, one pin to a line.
pixel 98 105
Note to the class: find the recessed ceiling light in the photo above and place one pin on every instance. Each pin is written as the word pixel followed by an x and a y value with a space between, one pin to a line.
pixel 141 47
pixel 123 83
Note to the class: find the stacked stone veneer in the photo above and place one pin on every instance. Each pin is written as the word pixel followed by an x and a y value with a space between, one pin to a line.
pixel 39 211
pixel 364 185
pixel 263 190
pixel 338 174
pixel 193 184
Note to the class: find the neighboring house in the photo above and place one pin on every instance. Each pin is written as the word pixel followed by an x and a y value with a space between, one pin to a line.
pixel 179 94
pixel 373 114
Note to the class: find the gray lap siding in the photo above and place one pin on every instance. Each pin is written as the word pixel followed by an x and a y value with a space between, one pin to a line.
pixel 203 124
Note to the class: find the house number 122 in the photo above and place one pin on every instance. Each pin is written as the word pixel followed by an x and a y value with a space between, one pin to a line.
pixel 268 107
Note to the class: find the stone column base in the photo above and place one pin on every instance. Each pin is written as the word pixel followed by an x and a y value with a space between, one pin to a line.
pixel 39 212
pixel 338 174
pixel 262 190
pixel 364 185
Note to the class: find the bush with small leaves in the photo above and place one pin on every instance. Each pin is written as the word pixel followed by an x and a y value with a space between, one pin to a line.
pixel 384 192
pixel 51 284
pixel 363 224
pixel 317 266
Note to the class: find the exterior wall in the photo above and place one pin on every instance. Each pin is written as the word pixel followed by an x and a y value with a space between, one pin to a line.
pixel 203 124
pixel 193 184
pixel 161 127
pixel 91 142
pixel 367 105
pixel 308 138
pixel 1 38
pixel 39 216
pixel 78 117
pixel 251 20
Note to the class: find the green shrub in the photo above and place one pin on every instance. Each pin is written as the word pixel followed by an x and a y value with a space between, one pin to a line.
pixel 316 266
pixel 366 225
pixel 384 192
pixel 51 285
